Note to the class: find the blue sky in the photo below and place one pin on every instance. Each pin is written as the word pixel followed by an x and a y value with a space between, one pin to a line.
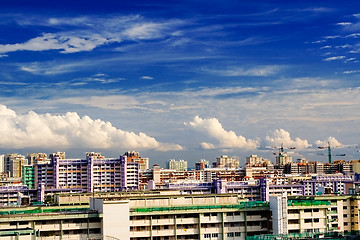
pixel 180 79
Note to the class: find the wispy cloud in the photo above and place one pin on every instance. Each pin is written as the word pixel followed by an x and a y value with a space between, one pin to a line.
pixel 67 44
pixel 351 71
pixel 90 33
pixel 54 67
pixel 259 71
pixel 334 58
pixel 97 78
pixel 344 23
pixel 147 78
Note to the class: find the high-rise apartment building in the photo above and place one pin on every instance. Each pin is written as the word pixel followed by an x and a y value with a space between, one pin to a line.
pixel 283 158
pixel 93 174
pixel 33 157
pixel 225 161
pixel 255 160
pixel 202 164
pixel 180 165
pixel 13 163
pixel 133 156
pixel 28 176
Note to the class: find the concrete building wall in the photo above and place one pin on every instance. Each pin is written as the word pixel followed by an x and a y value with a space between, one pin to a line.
pixel 115 218
pixel 278 207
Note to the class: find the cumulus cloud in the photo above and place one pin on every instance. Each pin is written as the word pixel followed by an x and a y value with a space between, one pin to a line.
pixel 226 139
pixel 281 136
pixel 324 143
pixel 69 131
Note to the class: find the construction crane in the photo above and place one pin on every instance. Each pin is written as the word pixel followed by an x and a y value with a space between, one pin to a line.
pixel 282 157
pixel 329 151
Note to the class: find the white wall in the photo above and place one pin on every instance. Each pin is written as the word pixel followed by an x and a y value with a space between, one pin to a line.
pixel 115 220
pixel 278 207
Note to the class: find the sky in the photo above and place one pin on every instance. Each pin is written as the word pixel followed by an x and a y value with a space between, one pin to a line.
pixel 180 79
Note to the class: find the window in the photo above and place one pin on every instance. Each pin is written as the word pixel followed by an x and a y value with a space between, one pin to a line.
pixel 230 234
pixel 307 210
pixel 237 234
pixel 293 221
pixel 316 220
pixel 293 211
pixel 214 235
pixel 308 220
pixel 208 235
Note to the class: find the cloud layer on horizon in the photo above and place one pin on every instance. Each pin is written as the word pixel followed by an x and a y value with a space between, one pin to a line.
pixel 69 131
pixel 228 139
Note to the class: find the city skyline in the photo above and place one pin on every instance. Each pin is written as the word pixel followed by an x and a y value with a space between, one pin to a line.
pixel 180 80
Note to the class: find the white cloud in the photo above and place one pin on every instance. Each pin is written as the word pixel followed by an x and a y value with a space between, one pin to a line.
pixel 281 136
pixel 147 78
pixel 353 35
pixel 226 139
pixel 334 58
pixel 351 71
pixel 69 131
pixel 259 71
pixel 54 67
pixel 324 143
pixel 205 145
pixel 143 31
pixel 91 33
pixel 66 43
pixel 344 23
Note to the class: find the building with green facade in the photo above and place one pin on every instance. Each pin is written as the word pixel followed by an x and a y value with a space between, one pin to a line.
pixel 28 176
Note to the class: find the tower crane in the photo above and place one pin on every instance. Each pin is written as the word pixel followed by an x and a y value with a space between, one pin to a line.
pixel 329 151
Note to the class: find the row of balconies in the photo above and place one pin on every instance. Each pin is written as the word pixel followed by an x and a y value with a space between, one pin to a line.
pixel 188 231
pixel 67 226
pixel 210 219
